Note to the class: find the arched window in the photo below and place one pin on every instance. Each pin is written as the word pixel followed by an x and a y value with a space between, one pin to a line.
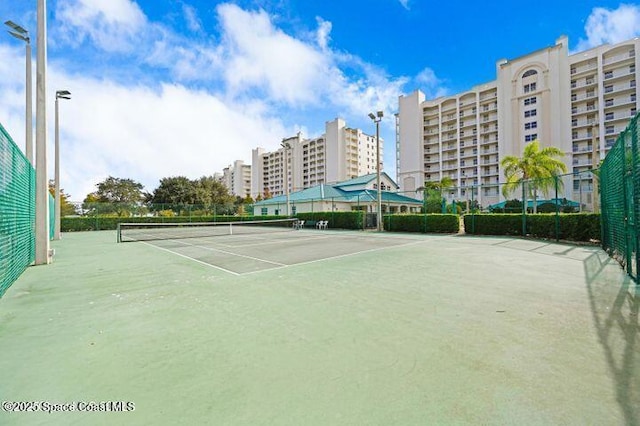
pixel 529 73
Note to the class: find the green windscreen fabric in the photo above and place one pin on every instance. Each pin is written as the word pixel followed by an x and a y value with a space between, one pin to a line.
pixel 17 212
pixel 52 216
pixel 620 199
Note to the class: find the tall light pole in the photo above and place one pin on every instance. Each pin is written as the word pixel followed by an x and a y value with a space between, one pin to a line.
pixel 42 254
pixel 376 119
pixel 21 34
pixel 60 94
pixel 286 147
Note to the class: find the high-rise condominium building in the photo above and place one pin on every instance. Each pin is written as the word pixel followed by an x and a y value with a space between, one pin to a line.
pixel 578 103
pixel 341 153
pixel 237 178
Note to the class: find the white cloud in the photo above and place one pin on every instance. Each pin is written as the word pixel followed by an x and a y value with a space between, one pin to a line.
pixel 144 134
pixel 432 86
pixel 404 3
pixel 257 78
pixel 261 56
pixel 112 25
pixel 324 29
pixel 611 26
pixel 191 16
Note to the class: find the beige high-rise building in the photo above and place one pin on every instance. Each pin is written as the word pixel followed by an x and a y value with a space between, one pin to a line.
pixel 341 153
pixel 578 103
pixel 237 178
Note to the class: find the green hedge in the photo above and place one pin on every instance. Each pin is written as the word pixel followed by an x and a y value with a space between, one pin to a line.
pixel 571 226
pixel 99 223
pixel 440 223
pixel 337 220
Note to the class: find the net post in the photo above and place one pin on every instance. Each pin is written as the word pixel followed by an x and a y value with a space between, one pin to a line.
pixel 118 237
pixel 230 228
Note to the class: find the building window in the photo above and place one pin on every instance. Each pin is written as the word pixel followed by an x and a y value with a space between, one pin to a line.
pixel 530 138
pixel 532 125
pixel 632 83
pixel 529 87
pixel 590 93
pixel 633 97
pixel 608 89
pixel 529 73
pixel 530 101
pixel 610 129
pixel 573 84
pixel 608 116
pixel 608 74
pixel 530 113
pixel 608 102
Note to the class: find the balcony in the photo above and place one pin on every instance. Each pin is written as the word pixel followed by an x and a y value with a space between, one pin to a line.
pixel 620 57
pixel 488 96
pixel 584 68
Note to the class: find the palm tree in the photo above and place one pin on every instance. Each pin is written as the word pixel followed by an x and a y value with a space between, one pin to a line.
pixel 537 166
pixel 434 190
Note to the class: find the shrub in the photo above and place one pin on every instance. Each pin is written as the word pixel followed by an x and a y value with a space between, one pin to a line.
pixel 98 223
pixel 339 220
pixel 572 227
pixel 437 223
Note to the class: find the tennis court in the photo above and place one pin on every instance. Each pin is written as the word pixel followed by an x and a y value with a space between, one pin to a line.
pixel 249 251
pixel 324 327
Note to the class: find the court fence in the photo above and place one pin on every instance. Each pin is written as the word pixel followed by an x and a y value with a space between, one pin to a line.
pixel 17 212
pixel 620 192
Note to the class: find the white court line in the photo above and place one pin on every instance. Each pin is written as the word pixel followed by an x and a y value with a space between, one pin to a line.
pixel 228 252
pixel 337 257
pixel 191 258
pixel 283 241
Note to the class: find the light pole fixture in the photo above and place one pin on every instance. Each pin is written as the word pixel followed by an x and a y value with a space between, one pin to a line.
pixel 60 94
pixel 376 119
pixel 21 34
pixel 42 253
pixel 286 145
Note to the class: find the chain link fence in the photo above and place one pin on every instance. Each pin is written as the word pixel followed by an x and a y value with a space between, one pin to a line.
pixel 17 212
pixel 620 185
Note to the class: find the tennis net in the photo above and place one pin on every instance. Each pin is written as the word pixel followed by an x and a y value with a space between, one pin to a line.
pixel 129 232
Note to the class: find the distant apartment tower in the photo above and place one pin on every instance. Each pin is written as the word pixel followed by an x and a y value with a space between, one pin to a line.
pixel 341 153
pixel 578 103
pixel 237 178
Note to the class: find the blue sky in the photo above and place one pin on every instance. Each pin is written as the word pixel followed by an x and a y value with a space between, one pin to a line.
pixel 184 87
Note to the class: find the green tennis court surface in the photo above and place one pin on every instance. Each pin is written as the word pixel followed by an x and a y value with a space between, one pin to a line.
pixel 324 327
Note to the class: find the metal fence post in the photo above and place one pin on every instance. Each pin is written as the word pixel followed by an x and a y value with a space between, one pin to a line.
pixel 555 178
pixel 524 210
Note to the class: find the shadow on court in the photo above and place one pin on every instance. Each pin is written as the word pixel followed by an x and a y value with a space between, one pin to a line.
pixel 615 315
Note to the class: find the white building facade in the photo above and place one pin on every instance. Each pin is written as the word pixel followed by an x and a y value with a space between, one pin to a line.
pixel 578 103
pixel 340 154
pixel 237 178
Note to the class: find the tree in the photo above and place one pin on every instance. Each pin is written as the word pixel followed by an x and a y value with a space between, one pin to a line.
pixel 177 191
pixel 118 195
pixel 117 190
pixel 66 208
pixel 537 166
pixel 432 191
pixel 211 192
